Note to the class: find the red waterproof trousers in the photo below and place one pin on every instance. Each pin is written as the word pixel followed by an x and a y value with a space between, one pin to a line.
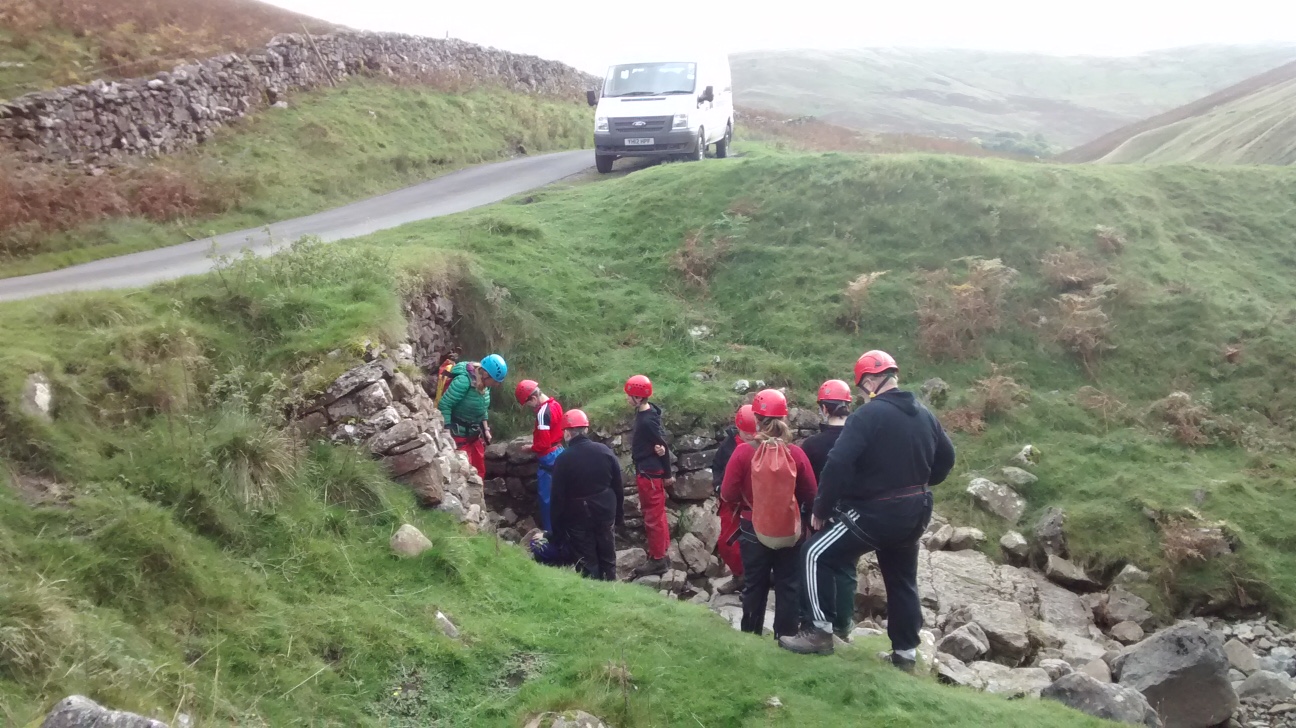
pixel 652 501
pixel 728 550
pixel 476 449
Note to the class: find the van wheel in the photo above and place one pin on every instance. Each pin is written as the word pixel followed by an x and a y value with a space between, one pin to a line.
pixel 700 154
pixel 604 162
pixel 722 146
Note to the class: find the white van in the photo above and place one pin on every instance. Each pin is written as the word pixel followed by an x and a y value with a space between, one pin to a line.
pixel 663 109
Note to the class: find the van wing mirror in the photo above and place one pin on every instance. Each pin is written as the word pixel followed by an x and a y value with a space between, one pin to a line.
pixel 591 96
pixel 708 94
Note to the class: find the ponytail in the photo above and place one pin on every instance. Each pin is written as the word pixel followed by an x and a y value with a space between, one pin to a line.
pixel 772 428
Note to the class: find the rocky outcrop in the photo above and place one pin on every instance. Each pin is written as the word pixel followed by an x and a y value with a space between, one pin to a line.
pixel 997 499
pixel 78 711
pixel 1183 672
pixel 1102 700
pixel 103 121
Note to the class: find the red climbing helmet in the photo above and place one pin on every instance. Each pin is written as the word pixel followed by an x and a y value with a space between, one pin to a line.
pixel 874 362
pixel 525 389
pixel 638 386
pixel 770 403
pixel 834 390
pixel 575 418
pixel 746 420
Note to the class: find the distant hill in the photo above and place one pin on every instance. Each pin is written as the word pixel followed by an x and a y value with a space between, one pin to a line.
pixel 1060 101
pixel 1253 122
pixel 46 43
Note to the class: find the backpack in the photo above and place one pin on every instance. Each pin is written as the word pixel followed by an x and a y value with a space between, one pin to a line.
pixel 444 376
pixel 776 517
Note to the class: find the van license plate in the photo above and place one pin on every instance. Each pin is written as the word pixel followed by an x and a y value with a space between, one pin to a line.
pixel 639 141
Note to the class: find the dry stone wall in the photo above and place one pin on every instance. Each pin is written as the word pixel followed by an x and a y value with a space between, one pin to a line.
pixel 103 121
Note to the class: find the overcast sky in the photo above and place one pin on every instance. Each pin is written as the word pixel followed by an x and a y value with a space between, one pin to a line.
pixel 591 34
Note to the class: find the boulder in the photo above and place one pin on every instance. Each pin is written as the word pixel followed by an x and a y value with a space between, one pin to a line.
pixel 1056 669
pixel 1266 686
pixel 690 461
pixel 695 486
pixel 1183 672
pixel 78 711
pixel 951 579
pixel 403 388
pixel 724 585
pixel 428 483
pixel 1005 626
pixel 1011 682
pixel 1118 605
pixel 967 643
pixel 409 542
pixel 695 554
pixel 1014 547
pixel 1128 633
pixel 1130 575
pixel 37 397
pixel 1018 478
pixel 935 392
pixel 1240 657
pixel 1098 670
pixel 1061 571
pixel 870 588
pixel 398 434
pixel 939 539
pixel 703 522
pixel 965 538
pixel 693 443
pixel 570 719
pixel 357 378
pixel 1110 702
pixel 362 404
pixel 628 560
pixel 518 451
pixel 408 462
pixel 999 500
pixel 1061 607
pixel 1026 457
pixel 1050 534
pixel 951 670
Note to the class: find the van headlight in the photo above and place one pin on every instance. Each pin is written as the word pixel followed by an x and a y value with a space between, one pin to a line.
pixel 681 121
pixel 601 124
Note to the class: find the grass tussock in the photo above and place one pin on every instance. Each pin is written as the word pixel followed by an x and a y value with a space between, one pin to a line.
pixel 954 316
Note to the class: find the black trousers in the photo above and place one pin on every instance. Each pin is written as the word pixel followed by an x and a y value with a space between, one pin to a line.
pixel 593 547
pixel 763 567
pixel 890 527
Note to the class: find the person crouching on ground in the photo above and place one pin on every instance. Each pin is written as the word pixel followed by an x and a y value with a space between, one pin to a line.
pixel 587 499
pixel 465 405
pixel 652 464
pixel 546 440
pixel 834 406
pixel 875 496
pixel 743 430
pixel 769 482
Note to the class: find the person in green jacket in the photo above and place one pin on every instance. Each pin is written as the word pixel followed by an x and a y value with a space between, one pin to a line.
pixel 465 405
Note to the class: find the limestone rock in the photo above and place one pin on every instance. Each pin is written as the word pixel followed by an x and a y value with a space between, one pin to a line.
pixel 966 538
pixel 78 711
pixel 1050 534
pixel 1056 668
pixel 408 541
pixel 695 553
pixel 693 443
pixel 999 500
pixel 1004 623
pixel 447 627
pixel 1183 672
pixel 1118 605
pixel 1014 547
pixel 1130 575
pixel 362 404
pixel 410 461
pixel 938 539
pixel 935 392
pixel 1011 682
pixel 695 486
pixel 1241 657
pixel 396 435
pixel 353 380
pixel 1098 670
pixel 1111 702
pixel 1027 456
pixel 1018 478
pixel 951 670
pixel 1128 633
pixel 1265 685
pixel 37 397
pixel 1061 571
pixel 967 643
pixel 428 483
pixel 704 523
pixel 403 388
pixel 628 560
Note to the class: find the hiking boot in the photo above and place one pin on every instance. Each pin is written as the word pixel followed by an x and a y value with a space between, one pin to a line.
pixel 653 567
pixel 844 635
pixel 810 641
pixel 900 662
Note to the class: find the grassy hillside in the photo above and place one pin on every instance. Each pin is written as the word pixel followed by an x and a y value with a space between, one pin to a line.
pixel 330 147
pixel 47 43
pixel 131 571
pixel 1252 122
pixel 964 94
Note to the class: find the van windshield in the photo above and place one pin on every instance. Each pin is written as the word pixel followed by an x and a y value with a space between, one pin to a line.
pixel 650 79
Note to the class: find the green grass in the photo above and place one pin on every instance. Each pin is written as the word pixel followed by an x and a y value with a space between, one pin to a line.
pixel 330 147
pixel 1069 100
pixel 160 589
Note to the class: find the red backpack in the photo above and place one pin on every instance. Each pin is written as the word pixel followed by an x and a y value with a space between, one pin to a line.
pixel 776 518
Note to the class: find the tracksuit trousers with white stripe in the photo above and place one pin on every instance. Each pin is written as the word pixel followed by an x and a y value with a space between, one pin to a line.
pixel 893 528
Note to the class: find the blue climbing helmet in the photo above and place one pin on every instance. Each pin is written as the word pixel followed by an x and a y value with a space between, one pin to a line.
pixel 495 367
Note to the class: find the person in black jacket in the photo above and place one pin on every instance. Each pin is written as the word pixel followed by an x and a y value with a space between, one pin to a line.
pixel 834 406
pixel 587 499
pixel 652 464
pixel 875 496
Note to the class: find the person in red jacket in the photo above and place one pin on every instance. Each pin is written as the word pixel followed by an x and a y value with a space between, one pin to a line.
pixel 744 430
pixel 546 442
pixel 761 563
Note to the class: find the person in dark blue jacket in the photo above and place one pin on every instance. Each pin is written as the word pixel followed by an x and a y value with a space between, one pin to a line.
pixel 587 499
pixel 875 495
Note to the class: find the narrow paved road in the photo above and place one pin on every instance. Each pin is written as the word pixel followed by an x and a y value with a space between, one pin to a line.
pixel 451 193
